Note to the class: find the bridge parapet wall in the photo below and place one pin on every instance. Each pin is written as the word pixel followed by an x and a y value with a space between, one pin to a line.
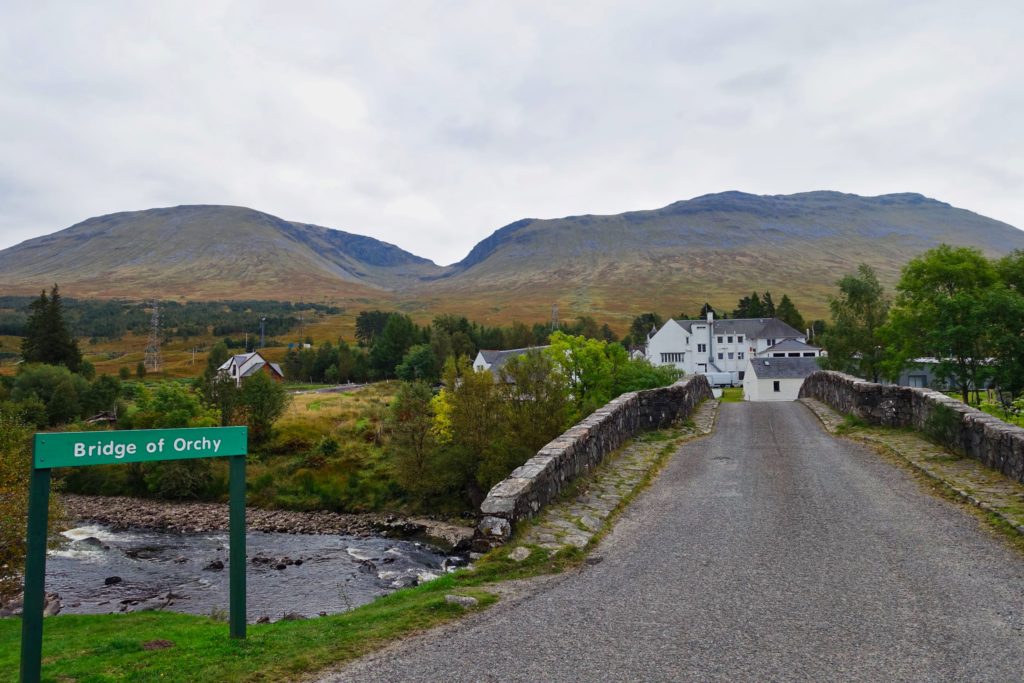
pixel 539 481
pixel 961 428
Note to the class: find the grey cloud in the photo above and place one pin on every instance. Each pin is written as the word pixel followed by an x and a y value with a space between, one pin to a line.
pixel 430 125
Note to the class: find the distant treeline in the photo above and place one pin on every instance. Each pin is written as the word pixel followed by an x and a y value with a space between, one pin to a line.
pixel 389 344
pixel 113 319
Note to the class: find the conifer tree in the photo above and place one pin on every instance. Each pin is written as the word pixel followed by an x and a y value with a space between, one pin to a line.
pixel 47 337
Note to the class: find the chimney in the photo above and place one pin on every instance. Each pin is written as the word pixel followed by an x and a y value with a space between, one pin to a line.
pixel 711 316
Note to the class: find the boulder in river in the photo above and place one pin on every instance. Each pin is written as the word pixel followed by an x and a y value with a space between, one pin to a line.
pixel 112 580
pixel 215 566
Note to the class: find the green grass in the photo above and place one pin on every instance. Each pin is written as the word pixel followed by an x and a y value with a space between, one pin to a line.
pixel 732 395
pixel 113 647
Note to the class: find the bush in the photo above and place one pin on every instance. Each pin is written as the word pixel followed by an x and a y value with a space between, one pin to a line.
pixel 15 471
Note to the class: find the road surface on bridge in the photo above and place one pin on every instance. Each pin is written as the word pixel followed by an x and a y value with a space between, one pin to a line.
pixel 768 551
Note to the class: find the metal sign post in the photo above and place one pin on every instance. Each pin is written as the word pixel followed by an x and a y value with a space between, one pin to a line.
pixel 78 449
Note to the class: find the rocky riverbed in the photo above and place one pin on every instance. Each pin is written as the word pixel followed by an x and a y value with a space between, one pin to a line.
pixel 129 554
pixel 121 513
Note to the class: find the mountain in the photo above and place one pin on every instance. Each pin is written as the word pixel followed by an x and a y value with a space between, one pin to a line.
pixel 210 252
pixel 715 247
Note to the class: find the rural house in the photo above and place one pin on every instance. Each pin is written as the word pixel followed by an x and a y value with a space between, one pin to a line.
pixel 493 360
pixel 776 379
pixel 248 364
pixel 721 348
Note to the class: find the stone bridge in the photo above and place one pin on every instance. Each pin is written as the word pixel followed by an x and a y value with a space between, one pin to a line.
pixel 769 551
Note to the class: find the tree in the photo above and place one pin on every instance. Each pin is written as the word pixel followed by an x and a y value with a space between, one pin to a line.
pixel 787 313
pixel 940 312
pixel 47 337
pixel 641 326
pixel 1004 341
pixel 412 447
pixel 537 398
pixel 585 367
pixel 750 307
pixel 261 401
pixel 471 423
pixel 389 347
pixel 369 324
pixel 419 364
pixel 854 340
pixel 56 386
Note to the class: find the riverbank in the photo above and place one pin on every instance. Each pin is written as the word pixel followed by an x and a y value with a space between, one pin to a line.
pixel 122 512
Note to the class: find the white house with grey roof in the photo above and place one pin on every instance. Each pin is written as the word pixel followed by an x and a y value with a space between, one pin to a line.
pixel 493 360
pixel 248 364
pixel 722 347
pixel 776 379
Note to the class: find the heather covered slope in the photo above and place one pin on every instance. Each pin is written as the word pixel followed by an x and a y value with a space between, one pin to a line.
pixel 716 247
pixel 212 252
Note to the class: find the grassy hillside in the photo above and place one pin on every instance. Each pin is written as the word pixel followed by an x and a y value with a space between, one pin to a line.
pixel 717 247
pixel 207 252
pixel 714 248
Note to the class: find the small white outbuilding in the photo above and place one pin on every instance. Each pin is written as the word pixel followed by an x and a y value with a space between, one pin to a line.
pixel 776 379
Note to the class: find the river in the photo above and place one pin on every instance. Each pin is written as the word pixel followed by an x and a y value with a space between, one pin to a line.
pixel 100 570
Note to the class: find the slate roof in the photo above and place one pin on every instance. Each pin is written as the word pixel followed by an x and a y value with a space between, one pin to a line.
pixel 752 328
pixel 791 345
pixel 783 368
pixel 248 364
pixel 497 358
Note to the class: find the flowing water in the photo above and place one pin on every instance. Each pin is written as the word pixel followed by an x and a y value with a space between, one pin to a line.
pixel 100 571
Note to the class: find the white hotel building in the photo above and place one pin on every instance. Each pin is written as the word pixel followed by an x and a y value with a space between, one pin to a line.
pixel 724 346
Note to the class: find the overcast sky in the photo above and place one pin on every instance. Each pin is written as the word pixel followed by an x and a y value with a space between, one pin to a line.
pixel 430 125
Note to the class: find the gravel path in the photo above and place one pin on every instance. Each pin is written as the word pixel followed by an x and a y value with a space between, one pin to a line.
pixel 768 552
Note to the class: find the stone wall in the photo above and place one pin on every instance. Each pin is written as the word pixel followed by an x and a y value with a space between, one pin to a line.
pixel 539 481
pixel 952 423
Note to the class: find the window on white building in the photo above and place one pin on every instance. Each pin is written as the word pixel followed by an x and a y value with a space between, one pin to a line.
pixel 771 342
pixel 721 356
pixel 702 348
pixel 673 357
pixel 742 372
pixel 720 340
pixel 739 355
pixel 730 339
pixel 731 354
pixel 776 385
pixel 739 339
pixel 808 354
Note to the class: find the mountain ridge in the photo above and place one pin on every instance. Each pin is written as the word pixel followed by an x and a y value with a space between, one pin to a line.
pixel 722 244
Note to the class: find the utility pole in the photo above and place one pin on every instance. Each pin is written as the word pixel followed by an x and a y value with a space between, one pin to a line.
pixel 263 323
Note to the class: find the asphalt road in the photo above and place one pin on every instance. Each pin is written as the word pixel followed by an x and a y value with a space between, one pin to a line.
pixel 770 551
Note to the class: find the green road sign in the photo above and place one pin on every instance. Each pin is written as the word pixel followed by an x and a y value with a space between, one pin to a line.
pixel 75 449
